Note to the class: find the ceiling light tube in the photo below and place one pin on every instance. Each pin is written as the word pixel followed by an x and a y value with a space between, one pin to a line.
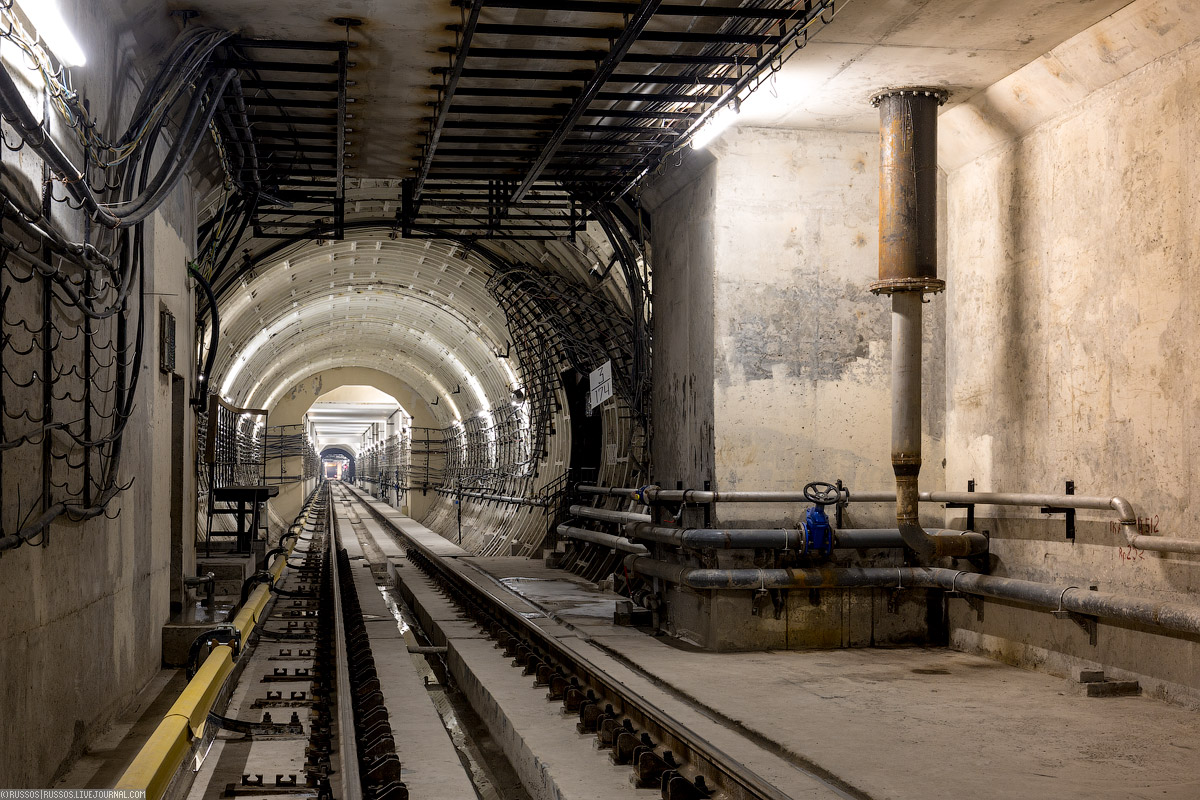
pixel 51 28
pixel 718 123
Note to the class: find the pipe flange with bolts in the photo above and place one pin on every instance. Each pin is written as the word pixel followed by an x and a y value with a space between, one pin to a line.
pixel 923 285
pixel 942 95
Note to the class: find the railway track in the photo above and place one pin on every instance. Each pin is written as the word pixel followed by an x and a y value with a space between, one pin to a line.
pixel 307 712
pixel 283 701
pixel 312 661
pixel 662 752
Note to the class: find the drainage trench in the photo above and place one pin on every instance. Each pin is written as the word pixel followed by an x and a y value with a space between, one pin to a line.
pixel 489 771
pixel 662 753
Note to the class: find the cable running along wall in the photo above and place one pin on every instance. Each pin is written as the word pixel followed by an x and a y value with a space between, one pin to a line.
pixel 72 206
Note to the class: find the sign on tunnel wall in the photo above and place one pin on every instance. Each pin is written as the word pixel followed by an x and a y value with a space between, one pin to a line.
pixel 601 385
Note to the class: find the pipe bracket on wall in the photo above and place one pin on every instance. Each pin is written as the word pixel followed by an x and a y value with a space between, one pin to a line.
pixel 1069 513
pixel 970 507
pixel 975 602
pixel 1088 623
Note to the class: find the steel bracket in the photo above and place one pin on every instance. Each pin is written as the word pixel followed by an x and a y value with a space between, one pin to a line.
pixel 1085 621
pixel 256 728
pixel 1069 513
pixel 974 601
pixel 970 507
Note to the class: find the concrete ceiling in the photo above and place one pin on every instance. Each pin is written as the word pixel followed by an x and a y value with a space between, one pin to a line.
pixel 419 309
pixel 394 50
pixel 961 45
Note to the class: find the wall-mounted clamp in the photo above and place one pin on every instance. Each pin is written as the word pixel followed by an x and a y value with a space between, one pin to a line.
pixel 1085 621
pixel 1068 512
pixel 974 601
pixel 970 507
pixel 221 635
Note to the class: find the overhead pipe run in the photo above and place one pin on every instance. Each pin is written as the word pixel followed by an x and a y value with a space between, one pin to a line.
pixel 653 494
pixel 604 515
pixel 1126 516
pixel 963 543
pixel 1164 615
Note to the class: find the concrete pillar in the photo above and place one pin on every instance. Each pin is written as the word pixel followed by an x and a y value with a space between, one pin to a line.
pixel 772 363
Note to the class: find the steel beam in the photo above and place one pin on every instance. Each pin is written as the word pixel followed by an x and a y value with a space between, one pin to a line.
pixel 584 74
pixel 610 34
pixel 672 9
pixel 520 111
pixel 452 78
pixel 620 49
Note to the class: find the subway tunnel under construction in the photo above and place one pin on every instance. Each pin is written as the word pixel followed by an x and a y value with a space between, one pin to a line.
pixel 571 399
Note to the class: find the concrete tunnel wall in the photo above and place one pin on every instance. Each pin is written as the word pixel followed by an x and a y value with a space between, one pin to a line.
pixel 1073 331
pixel 81 618
pixel 772 362
pixel 1062 349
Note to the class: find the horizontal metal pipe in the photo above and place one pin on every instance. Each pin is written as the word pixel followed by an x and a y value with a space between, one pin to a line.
pixel 966 543
pixel 1161 544
pixel 653 494
pixel 970 542
pixel 995 499
pixel 605 539
pixel 1166 615
pixel 776 538
pixel 1126 515
pixel 605 515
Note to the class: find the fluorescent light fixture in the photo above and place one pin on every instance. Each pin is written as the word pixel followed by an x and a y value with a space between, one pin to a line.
pixel 717 124
pixel 48 23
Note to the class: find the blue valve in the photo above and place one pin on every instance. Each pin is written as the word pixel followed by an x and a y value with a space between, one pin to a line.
pixel 818 536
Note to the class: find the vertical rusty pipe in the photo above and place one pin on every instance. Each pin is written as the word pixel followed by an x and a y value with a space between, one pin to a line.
pixel 908 190
pixel 907 270
pixel 906 408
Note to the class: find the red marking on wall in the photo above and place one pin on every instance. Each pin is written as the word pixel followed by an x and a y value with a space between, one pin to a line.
pixel 1146 526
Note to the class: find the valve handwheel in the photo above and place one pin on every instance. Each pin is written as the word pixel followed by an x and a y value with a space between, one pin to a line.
pixel 821 493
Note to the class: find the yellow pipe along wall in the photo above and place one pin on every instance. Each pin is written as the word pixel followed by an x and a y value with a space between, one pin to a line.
pixel 156 764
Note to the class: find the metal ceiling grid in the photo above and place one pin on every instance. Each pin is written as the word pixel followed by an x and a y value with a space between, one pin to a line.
pixel 548 106
pixel 295 150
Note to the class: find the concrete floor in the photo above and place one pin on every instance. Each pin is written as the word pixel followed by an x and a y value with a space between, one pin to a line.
pixel 108 757
pixel 902 723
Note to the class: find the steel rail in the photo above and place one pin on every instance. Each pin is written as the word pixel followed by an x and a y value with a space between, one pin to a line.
pixel 732 776
pixel 183 731
pixel 347 739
